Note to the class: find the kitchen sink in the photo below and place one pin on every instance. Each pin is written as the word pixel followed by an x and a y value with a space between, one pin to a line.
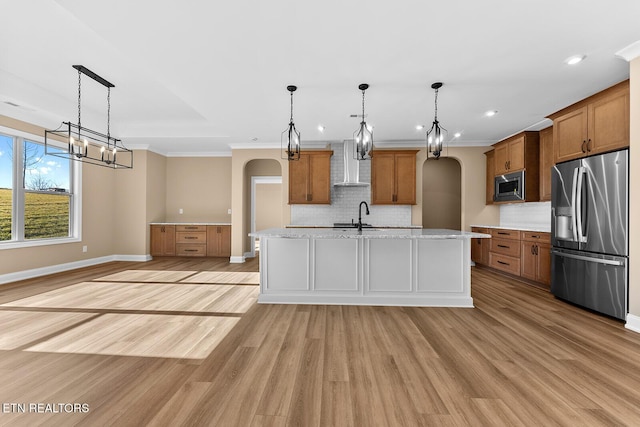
pixel 349 225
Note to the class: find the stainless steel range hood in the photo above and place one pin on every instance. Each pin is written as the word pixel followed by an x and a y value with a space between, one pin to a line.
pixel 351 175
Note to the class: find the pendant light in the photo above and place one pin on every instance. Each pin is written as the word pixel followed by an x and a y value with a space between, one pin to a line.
pixel 290 137
pixel 437 134
pixel 363 137
pixel 83 144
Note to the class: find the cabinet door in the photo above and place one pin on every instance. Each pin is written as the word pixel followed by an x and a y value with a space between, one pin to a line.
pixel 490 176
pixel 546 163
pixel 609 123
pixel 320 179
pixel 544 263
pixel 299 180
pixel 218 240
pixel 501 158
pixel 570 135
pixel 163 240
pixel 382 178
pixel 405 177
pixel 516 153
pixel 485 251
pixel 528 261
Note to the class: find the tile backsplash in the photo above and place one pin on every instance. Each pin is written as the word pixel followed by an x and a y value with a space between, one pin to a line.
pixel 345 201
pixel 526 215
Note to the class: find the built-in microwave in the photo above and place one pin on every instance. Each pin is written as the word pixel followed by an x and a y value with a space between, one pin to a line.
pixel 509 187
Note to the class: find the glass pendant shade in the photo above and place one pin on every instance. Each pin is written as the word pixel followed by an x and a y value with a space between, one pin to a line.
pixel 363 136
pixel 290 138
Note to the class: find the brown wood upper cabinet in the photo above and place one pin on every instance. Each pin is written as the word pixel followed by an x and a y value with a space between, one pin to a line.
pixel 310 178
pixel 594 125
pixel 490 175
pixel 516 153
pixel 546 162
pixel 393 177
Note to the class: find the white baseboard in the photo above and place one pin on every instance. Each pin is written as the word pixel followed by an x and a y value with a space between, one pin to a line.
pixel 43 271
pixel 237 259
pixel 633 323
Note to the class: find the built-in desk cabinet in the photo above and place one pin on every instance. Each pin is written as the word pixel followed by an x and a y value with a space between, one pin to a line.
pixel 163 240
pixel 196 240
pixel 594 125
pixel 393 177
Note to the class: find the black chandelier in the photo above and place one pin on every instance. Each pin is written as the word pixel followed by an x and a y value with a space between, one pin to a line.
pixel 437 134
pixel 86 145
pixel 363 137
pixel 290 135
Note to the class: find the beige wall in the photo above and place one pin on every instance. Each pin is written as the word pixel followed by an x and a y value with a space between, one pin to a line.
pixel 200 186
pixel 472 166
pixel 441 189
pixel 634 196
pixel 268 213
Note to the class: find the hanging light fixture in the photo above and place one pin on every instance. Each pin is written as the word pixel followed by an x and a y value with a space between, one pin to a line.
pixel 290 135
pixel 82 144
pixel 436 135
pixel 363 137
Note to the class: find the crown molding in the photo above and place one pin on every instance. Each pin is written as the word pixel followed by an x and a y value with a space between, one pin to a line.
pixel 630 52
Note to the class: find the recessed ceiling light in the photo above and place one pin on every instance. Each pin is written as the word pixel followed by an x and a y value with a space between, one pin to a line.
pixel 491 113
pixel 457 135
pixel 320 128
pixel 573 60
pixel 419 127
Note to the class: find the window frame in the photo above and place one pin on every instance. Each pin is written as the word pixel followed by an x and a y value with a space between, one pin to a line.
pixel 18 192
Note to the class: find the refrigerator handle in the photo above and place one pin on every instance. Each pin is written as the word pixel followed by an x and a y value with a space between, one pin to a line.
pixel 574 209
pixel 588 258
pixel 581 238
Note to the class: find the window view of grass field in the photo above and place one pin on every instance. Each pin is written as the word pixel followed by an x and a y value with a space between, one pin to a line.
pixel 46 191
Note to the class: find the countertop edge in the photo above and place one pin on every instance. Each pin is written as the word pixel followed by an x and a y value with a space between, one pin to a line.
pixel 189 223
pixel 535 229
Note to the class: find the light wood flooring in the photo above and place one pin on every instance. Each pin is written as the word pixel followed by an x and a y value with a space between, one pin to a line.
pixel 161 343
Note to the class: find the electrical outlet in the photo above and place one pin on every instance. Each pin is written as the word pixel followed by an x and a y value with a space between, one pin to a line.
pixel 84 248
pixel 180 211
pixel 229 211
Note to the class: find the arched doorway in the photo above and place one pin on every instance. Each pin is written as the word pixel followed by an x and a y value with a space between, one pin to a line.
pixel 441 194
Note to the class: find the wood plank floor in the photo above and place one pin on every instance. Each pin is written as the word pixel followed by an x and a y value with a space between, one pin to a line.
pixel 158 343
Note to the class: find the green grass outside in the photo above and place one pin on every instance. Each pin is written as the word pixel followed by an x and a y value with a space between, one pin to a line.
pixel 46 215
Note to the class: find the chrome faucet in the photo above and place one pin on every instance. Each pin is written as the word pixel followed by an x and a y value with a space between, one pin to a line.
pixel 366 206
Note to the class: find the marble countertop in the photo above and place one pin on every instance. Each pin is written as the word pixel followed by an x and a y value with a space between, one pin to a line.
pixel 190 223
pixel 379 233
pixel 538 229
pixel 375 226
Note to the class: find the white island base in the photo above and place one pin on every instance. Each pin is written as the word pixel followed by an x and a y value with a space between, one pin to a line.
pixel 428 268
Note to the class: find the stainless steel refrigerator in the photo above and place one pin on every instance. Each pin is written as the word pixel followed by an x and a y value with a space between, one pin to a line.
pixel 589 232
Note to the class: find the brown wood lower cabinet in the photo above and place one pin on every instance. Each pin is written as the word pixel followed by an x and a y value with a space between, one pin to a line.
pixel 536 257
pixel 522 253
pixel 196 240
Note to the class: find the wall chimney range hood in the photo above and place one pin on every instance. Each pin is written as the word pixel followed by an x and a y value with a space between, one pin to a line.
pixel 351 167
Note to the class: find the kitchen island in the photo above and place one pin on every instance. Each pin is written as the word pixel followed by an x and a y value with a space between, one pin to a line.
pixel 401 267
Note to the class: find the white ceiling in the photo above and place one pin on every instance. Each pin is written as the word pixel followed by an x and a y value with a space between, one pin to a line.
pixel 194 76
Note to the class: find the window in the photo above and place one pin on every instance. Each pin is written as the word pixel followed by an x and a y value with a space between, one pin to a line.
pixel 37 202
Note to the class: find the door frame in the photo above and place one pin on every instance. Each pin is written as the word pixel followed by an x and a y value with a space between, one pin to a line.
pixel 254 181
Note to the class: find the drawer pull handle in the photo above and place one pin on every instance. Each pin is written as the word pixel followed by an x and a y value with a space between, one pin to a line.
pixel 191 250
pixel 503 246
pixel 190 237
pixel 504 233
pixel 503 263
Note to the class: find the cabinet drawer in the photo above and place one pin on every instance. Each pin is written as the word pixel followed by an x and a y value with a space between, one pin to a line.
pixel 505 247
pixel 532 236
pixel 504 263
pixel 480 230
pixel 191 249
pixel 501 233
pixel 191 228
pixel 191 237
